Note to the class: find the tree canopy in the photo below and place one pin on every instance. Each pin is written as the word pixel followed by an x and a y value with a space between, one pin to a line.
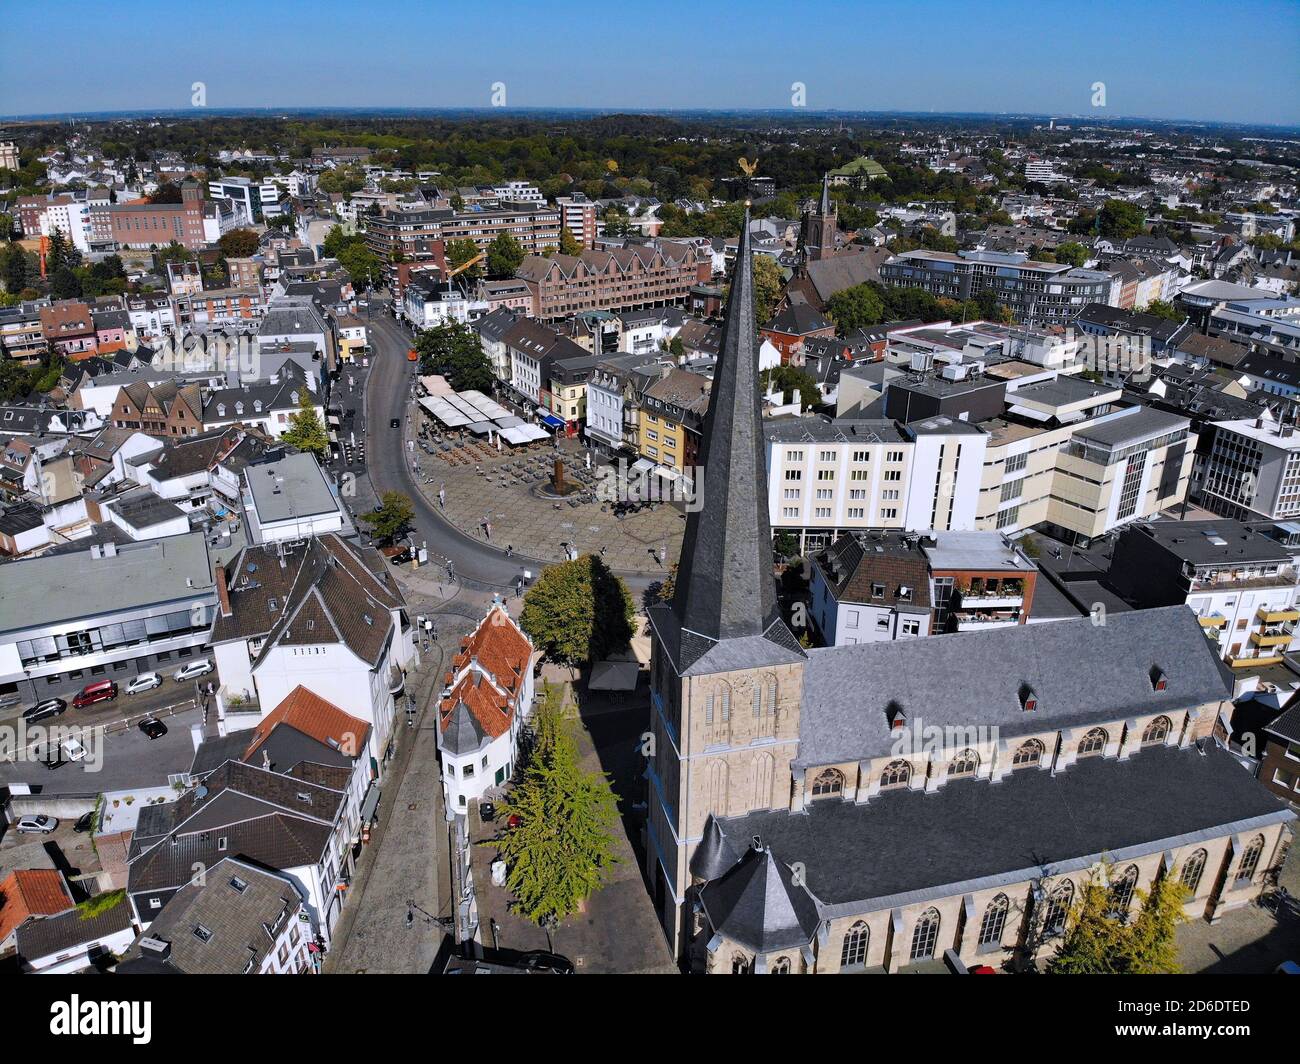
pixel 578 612
pixel 455 351
pixel 306 431
pixel 393 517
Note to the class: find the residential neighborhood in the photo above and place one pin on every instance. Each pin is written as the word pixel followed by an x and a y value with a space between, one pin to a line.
pixel 649 534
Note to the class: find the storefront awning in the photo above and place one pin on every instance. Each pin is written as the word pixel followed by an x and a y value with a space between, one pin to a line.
pixel 553 421
pixel 370 803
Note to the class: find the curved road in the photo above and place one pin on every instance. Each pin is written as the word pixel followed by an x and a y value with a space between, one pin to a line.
pixel 387 396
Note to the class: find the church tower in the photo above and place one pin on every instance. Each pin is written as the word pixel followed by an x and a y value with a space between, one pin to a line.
pixel 817 235
pixel 726 671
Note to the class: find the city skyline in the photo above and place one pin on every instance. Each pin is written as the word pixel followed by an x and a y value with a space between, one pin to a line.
pixel 1025 61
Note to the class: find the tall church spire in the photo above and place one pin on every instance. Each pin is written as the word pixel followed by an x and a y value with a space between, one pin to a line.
pixel 826 195
pixel 725 586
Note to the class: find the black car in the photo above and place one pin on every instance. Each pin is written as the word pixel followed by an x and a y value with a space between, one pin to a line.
pixel 47 707
pixel 153 728
pixel 51 757
pixel 394 422
pixel 403 557
pixel 487 812
pixel 549 963
pixel 85 822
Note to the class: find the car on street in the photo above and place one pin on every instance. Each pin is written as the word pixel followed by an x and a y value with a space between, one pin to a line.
pixel 153 728
pixel 51 757
pixel 541 961
pixel 10 700
pixel 487 812
pixel 146 681
pixel 99 691
pixel 394 422
pixel 402 556
pixel 73 749
pixel 193 670
pixel 46 707
pixel 36 824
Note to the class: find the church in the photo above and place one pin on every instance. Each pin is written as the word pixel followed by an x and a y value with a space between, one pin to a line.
pixel 901 805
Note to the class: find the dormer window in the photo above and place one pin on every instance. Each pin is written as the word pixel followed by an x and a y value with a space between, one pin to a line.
pixel 1028 699
pixel 897 718
pixel 1159 681
pixel 221 410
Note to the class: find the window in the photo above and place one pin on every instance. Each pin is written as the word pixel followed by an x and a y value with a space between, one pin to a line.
pixel 1016 462
pixel 202 933
pixel 966 763
pixel 1058 909
pixel 853 954
pixel 1156 732
pixel 830 782
pixel 995 920
pixel 1030 752
pixel 896 774
pixel 925 936
pixel 739 964
pixel 1192 869
pixel 1121 891
pixel 1093 743
pixel 1250 860
pixel 781 966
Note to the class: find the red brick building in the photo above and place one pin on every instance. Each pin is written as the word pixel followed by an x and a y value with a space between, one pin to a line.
pixel 630 278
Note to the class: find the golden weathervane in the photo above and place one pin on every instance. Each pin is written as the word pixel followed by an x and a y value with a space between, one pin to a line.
pixel 747 166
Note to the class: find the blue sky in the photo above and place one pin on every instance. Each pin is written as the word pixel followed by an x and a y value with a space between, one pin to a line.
pixel 1237 61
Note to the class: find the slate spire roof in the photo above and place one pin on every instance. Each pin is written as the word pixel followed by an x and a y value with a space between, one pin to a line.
pixel 759 905
pixel 725 587
pixel 826 195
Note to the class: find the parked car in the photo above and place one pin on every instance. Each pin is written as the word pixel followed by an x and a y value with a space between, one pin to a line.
pixel 36 824
pixel 50 757
pixel 541 961
pixel 402 556
pixel 46 707
pixel 100 691
pixel 153 728
pixel 394 422
pixel 193 670
pixel 85 822
pixel 10 700
pixel 146 681
pixel 73 748
pixel 487 812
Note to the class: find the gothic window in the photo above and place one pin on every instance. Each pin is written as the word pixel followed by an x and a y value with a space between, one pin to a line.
pixel 1093 743
pixel 781 966
pixel 764 769
pixel 1192 869
pixel 1121 891
pixel 1250 859
pixel 1156 732
pixel 925 936
pixel 739 964
pixel 830 782
pixel 966 763
pixel 995 920
pixel 1058 909
pixel 853 954
pixel 896 774
pixel 1030 752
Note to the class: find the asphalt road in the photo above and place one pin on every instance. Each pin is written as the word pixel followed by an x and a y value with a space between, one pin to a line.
pixel 387 394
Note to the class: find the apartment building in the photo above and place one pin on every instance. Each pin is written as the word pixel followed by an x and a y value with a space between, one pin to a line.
pixel 148 225
pixel 1251 470
pixel 220 306
pixel 1240 583
pixel 421 233
pixel 22 337
pixel 634 277
pixel 1038 292
pixel 614 401
pixel 671 417
pixel 256 200
pixel 578 216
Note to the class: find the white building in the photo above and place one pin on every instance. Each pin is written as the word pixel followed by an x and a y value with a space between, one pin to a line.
pixel 483 708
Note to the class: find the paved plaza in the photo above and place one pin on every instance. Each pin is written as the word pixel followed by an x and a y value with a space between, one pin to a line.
pixel 499 498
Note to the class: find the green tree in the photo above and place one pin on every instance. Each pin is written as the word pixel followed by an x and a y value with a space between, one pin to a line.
pixel 855 308
pixel 65 284
pixel 504 255
pixel 13 268
pixel 578 612
pixel 1162 308
pixel 238 243
pixel 306 431
pixel 791 379
pixel 362 264
pixel 562 847
pixel 1151 947
pixel 1071 252
pixel 768 284
pixel 1093 943
pixel 393 517
pixel 1121 219
pixel 568 243
pixel 455 351
pixel 460 251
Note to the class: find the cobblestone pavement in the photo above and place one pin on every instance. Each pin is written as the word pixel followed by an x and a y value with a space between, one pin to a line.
pixel 1245 941
pixel 407 858
pixel 503 491
pixel 617 931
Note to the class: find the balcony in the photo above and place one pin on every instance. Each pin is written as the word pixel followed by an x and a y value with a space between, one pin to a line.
pixel 1271 616
pixel 1245 580
pixel 1273 637
pixel 982 622
pixel 1213 620
pixel 1256 660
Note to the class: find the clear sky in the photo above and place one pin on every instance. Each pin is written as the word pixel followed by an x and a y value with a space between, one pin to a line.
pixel 1224 61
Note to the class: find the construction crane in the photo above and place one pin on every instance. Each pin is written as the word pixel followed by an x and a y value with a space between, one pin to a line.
pixel 465 266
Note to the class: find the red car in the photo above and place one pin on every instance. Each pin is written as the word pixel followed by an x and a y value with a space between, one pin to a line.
pixel 101 691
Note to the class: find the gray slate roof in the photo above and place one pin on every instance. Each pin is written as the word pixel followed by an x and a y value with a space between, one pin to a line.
pixel 908 846
pixel 759 905
pixel 1081 673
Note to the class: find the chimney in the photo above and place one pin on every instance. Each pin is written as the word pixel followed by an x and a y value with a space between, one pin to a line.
pixel 223 592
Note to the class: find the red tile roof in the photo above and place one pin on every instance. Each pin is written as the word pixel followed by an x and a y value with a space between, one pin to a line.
pixel 490 708
pixel 314 716
pixel 31 892
pixel 500 648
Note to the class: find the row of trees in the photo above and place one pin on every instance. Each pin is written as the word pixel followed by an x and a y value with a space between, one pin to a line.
pixel 872 303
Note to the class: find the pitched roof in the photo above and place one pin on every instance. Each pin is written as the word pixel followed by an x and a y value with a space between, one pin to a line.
pixel 312 715
pixel 1080 672
pixel 725 587
pixel 29 892
pixel 70 929
pixel 758 905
